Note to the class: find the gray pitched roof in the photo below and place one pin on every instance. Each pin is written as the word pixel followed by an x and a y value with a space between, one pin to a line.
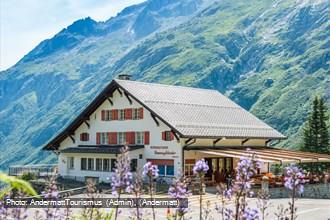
pixel 198 112
pixel 191 112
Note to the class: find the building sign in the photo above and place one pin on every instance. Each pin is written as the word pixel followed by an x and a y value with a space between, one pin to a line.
pixel 162 150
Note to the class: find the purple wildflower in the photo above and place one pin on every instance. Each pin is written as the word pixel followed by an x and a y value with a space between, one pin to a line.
pixel 179 190
pixel 121 179
pixel 150 170
pixel 228 214
pixel 245 169
pixel 293 181
pixel 294 178
pixel 251 214
pixel 200 167
pixel 228 193
pixel 51 193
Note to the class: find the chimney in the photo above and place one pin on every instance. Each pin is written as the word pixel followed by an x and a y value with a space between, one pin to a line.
pixel 125 76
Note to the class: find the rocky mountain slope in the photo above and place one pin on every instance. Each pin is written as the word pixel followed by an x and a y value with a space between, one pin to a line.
pixel 269 56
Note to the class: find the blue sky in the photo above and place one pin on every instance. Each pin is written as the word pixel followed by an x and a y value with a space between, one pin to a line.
pixel 24 23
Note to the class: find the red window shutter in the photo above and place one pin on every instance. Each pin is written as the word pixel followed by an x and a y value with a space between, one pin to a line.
pixel 164 135
pixel 115 114
pixel 109 137
pixel 82 136
pixel 140 113
pixel 98 138
pixel 146 137
pixel 172 135
pixel 128 137
pixel 132 137
pixel 102 115
pixel 128 114
pixel 112 137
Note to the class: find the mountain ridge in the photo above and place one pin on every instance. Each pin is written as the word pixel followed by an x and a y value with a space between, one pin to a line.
pixel 261 54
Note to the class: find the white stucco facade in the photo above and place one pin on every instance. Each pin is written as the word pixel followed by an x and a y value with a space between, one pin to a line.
pixel 157 149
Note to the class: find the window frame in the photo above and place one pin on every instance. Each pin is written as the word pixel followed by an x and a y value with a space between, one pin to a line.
pixel 167 135
pixel 112 164
pixel 70 162
pixel 104 164
pixel 83 164
pixel 98 165
pixel 90 164
pixel 137 137
pixel 105 136
pixel 134 164
pixel 135 114
pixel 121 137
pixel 165 170
pixel 121 114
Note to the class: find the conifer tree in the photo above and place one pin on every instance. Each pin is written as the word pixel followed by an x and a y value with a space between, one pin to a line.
pixel 324 132
pixel 316 133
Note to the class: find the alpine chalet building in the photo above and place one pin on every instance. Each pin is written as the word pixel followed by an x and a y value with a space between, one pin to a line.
pixel 171 126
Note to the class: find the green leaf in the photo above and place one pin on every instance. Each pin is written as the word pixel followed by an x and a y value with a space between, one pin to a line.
pixel 16 183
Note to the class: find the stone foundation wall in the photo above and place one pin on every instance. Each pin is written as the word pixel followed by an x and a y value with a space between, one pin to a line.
pixel 312 191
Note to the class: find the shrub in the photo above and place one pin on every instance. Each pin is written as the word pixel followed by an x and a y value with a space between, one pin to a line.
pixel 27 176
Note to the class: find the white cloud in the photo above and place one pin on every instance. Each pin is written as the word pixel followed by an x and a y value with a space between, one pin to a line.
pixel 25 23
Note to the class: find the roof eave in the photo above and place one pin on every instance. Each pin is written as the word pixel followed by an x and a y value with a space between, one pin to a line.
pixel 234 137
pixel 51 145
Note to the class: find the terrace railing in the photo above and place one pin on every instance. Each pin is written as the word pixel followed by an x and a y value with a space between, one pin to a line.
pixel 39 170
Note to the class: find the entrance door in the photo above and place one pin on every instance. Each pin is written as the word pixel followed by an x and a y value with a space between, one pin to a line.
pixel 219 168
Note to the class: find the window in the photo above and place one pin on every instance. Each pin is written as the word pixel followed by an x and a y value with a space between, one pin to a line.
pixel 84 136
pixel 161 169
pixel 83 164
pixel 98 164
pixel 166 170
pixel 135 114
pixel 165 167
pixel 139 137
pixel 121 114
pixel 133 165
pixel 121 138
pixel 188 167
pixel 90 164
pixel 169 170
pixel 113 164
pixel 107 115
pixel 71 163
pixel 106 164
pixel 167 135
pixel 103 138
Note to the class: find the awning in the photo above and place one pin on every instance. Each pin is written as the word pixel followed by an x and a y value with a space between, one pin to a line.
pixel 267 154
